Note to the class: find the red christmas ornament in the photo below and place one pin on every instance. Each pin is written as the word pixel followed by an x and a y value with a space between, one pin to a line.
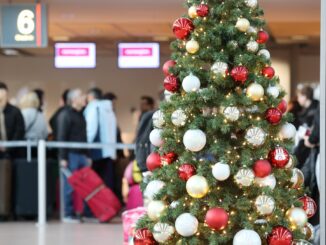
pixel 144 237
pixel 240 74
pixel 202 10
pixel 182 28
pixel 168 158
pixel 282 106
pixel 186 171
pixel 262 37
pixel 273 116
pixel 171 83
pixel 279 157
pixel 268 72
pixel 153 161
pixel 217 218
pixel 280 236
pixel 262 168
pixel 167 65
pixel 309 205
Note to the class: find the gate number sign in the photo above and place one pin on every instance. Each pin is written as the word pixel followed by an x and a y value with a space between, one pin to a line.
pixel 23 25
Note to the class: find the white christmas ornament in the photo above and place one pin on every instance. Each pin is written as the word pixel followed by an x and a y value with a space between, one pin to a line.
pixel 191 83
pixel 265 204
pixel 194 140
pixel 244 177
pixel 233 44
pixel 288 131
pixel 153 188
pixel 255 136
pixel 251 3
pixel 186 225
pixel 265 53
pixel 167 95
pixel 179 118
pixel 221 171
pixel 197 186
pixel 252 46
pixel 155 209
pixel 252 30
pixel 273 91
pixel 219 68
pixel 242 24
pixel 155 137
pixel 231 113
pixel 158 119
pixel 269 181
pixel 246 237
pixel 162 232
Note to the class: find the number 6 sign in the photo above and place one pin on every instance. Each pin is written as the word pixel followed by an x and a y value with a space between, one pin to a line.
pixel 23 25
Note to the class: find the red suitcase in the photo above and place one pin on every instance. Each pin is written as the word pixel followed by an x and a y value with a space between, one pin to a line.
pixel 101 200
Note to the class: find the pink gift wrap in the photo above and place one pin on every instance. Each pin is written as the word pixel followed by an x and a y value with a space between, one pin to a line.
pixel 129 219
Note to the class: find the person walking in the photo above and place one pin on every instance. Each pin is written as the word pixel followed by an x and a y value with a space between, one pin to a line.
pixel 72 128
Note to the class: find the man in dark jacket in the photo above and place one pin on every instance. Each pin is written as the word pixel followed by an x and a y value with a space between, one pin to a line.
pixel 11 121
pixel 72 128
pixel 54 118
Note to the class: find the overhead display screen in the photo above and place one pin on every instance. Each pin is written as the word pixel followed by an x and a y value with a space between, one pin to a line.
pixel 139 55
pixel 75 55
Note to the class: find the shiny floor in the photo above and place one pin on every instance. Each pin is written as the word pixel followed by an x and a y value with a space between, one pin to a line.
pixel 55 233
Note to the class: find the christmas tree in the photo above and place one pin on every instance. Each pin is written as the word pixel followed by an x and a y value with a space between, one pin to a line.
pixel 222 172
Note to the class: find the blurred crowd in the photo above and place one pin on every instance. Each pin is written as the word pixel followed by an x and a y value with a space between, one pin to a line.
pixel 82 117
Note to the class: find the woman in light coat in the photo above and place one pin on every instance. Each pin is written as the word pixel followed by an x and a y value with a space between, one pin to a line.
pixel 35 123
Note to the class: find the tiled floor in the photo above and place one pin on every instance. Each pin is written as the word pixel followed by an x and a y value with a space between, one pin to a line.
pixel 56 233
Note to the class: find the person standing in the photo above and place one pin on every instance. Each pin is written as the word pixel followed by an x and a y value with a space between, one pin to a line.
pixel 72 128
pixel 54 119
pixel 102 128
pixel 35 123
pixel 12 125
pixel 11 129
pixel 145 126
pixel 306 116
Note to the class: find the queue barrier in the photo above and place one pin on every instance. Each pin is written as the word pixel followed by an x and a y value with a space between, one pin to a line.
pixel 42 145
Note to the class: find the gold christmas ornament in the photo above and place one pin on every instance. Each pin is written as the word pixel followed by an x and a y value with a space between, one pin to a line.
pixel 162 232
pixel 269 181
pixel 297 217
pixel 255 136
pixel 192 12
pixel 265 204
pixel 309 232
pixel 255 92
pixel 231 113
pixel 155 209
pixel 252 46
pixel 244 177
pixel 158 119
pixel 290 163
pixel 197 186
pixel 297 178
pixel 192 46
pixel 242 24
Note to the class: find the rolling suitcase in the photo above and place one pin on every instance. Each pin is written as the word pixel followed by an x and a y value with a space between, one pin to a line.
pixel 5 187
pixel 25 179
pixel 101 200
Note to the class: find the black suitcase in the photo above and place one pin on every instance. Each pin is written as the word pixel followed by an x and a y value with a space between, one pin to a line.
pixel 5 187
pixel 26 188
